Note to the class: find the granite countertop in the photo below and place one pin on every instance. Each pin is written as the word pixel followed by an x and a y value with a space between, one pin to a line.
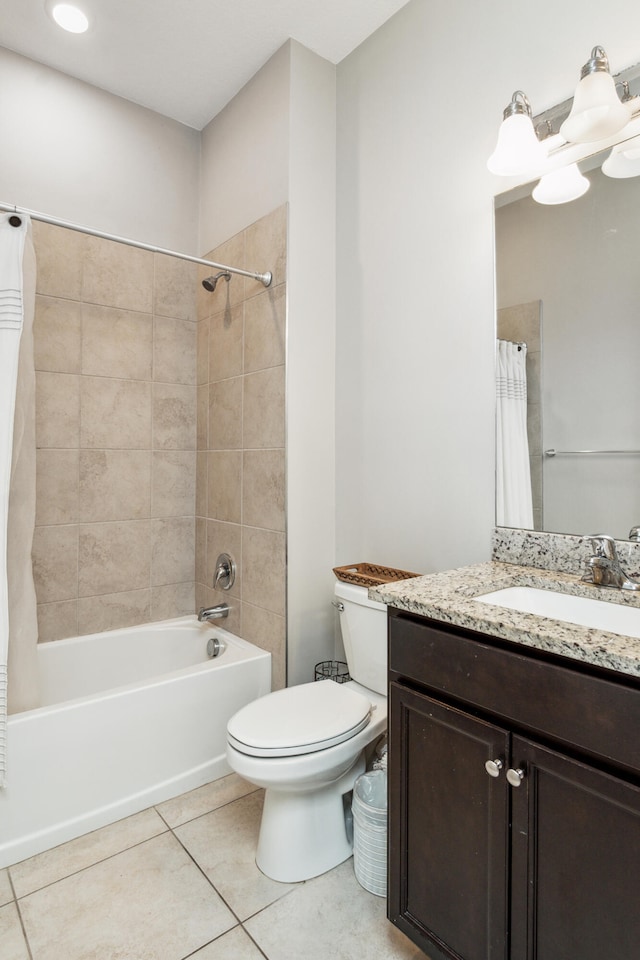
pixel 449 598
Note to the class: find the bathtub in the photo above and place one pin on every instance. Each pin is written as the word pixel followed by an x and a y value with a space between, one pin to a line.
pixel 128 718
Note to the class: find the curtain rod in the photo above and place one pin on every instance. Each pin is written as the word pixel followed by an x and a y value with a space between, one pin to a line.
pixel 264 278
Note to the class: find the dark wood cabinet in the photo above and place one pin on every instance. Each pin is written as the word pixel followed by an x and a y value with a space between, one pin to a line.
pixel 545 867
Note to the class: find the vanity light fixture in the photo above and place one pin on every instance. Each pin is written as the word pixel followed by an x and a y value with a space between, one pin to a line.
pixel 69 17
pixel 597 111
pixel 624 160
pixel 518 150
pixel 561 186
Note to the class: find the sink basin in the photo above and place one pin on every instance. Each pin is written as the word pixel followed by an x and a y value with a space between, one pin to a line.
pixel 598 614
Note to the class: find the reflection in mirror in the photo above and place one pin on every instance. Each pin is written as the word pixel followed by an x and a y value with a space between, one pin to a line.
pixel 568 284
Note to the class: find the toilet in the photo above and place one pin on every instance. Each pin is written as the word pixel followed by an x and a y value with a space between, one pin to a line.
pixel 306 746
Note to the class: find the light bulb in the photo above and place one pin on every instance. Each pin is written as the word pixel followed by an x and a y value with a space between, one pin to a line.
pixel 624 160
pixel 70 18
pixel 518 150
pixel 561 186
pixel 597 111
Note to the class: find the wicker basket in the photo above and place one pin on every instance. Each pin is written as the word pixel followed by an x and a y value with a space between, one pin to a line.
pixel 370 575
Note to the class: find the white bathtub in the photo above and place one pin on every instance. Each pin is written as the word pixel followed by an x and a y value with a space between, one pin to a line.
pixel 128 718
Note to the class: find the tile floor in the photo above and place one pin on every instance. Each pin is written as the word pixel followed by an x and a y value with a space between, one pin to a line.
pixel 179 880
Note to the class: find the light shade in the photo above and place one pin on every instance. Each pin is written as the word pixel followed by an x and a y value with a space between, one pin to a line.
pixel 518 150
pixel 69 17
pixel 561 186
pixel 624 160
pixel 597 111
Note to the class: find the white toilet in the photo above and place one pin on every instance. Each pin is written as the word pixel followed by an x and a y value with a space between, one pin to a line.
pixel 305 745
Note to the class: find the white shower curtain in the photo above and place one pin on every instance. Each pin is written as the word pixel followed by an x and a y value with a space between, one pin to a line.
pixel 17 471
pixel 514 505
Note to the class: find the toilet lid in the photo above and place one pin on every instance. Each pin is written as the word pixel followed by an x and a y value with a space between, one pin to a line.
pixel 298 720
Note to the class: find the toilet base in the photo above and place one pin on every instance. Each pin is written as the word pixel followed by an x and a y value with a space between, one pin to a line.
pixel 304 834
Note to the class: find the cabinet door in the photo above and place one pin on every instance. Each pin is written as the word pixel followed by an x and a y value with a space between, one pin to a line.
pixel 576 860
pixel 448 828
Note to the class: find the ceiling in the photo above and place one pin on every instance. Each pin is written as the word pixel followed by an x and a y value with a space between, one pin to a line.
pixel 186 58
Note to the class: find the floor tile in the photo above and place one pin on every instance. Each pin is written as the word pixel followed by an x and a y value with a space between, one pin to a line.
pixel 6 894
pixel 150 902
pixel 235 945
pixel 341 921
pixel 224 844
pixel 11 936
pixel 204 799
pixel 68 858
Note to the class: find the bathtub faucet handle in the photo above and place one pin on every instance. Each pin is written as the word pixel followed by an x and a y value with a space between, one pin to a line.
pixel 225 574
pixel 218 612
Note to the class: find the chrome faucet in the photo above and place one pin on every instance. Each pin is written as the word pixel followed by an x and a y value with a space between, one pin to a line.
pixel 603 567
pixel 218 612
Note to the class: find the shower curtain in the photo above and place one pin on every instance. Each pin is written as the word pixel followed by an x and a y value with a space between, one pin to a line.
pixel 514 505
pixel 18 621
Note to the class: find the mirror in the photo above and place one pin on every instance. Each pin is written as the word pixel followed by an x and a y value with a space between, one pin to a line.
pixel 568 284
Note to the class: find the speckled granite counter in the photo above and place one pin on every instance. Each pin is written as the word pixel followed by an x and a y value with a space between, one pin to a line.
pixel 449 598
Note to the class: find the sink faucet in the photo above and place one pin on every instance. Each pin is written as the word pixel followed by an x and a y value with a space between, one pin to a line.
pixel 603 567
pixel 214 613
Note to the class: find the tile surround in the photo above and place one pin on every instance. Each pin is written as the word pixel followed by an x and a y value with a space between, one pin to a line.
pixel 240 490
pixel 115 347
pixel 161 443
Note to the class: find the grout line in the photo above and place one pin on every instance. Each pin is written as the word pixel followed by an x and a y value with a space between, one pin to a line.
pixel 24 931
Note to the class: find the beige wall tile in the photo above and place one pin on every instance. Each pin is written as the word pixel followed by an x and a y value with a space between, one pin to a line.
pixel 201 550
pixel 266 249
pixel 56 486
pixel 172 550
pixel 263 489
pixel 116 343
pixel 57 335
pixel 173 484
pixel 57 410
pixel 225 343
pixel 263 569
pixel 225 415
pixel 263 405
pixel 112 611
pixel 268 631
pixel 60 257
pixel 114 557
pixel 174 350
pixel 224 538
pixel 115 414
pixel 57 621
pixel 55 563
pixel 202 351
pixel 174 416
pixel 115 485
pixel 201 483
pixel 117 275
pixel 265 329
pixel 202 415
pixel 174 292
pixel 173 600
pixel 224 501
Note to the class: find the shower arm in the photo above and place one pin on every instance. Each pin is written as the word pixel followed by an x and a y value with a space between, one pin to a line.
pixel 264 278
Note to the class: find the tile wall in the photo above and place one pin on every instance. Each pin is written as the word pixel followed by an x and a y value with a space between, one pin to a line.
pixel 240 488
pixel 115 349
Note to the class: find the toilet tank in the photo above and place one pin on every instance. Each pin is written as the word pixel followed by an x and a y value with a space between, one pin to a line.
pixel 363 624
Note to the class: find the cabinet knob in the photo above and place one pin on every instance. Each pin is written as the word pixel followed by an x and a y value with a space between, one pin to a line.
pixel 515 777
pixel 493 767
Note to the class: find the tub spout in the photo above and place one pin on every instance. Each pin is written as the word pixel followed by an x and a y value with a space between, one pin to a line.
pixel 214 613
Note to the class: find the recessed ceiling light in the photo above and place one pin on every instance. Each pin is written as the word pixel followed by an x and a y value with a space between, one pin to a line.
pixel 69 17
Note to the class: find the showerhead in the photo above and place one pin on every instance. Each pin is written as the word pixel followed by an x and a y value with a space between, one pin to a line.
pixel 210 282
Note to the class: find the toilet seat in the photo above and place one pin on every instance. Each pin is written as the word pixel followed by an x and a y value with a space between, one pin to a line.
pixel 299 720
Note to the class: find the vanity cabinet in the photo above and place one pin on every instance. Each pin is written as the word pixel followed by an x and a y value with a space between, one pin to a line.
pixel 541 860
